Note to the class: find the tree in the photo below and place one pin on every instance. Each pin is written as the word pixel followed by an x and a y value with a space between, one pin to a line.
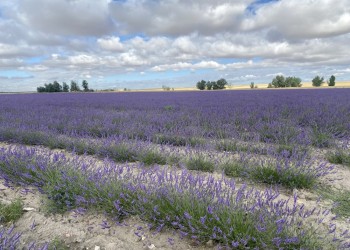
pixel 252 85
pixel 85 86
pixel 317 81
pixel 209 85
pixel 74 86
pixel 293 81
pixel 56 87
pixel 201 85
pixel 41 89
pixel 65 87
pixel 221 83
pixel 278 82
pixel 331 81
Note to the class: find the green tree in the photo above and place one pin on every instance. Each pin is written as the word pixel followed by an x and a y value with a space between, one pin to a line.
pixel 209 85
pixel 74 86
pixel 65 87
pixel 293 81
pixel 317 81
pixel 252 85
pixel 331 81
pixel 221 83
pixel 85 86
pixel 201 85
pixel 278 82
pixel 41 89
pixel 56 87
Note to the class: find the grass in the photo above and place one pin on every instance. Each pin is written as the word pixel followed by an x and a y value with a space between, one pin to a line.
pixel 339 157
pixel 57 244
pixel 340 198
pixel 11 212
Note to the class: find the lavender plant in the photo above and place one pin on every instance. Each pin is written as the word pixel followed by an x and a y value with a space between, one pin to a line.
pixel 199 207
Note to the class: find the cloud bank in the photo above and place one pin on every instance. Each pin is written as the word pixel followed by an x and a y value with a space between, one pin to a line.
pixel 148 43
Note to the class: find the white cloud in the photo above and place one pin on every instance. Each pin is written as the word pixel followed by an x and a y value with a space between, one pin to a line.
pixel 71 39
pixel 110 43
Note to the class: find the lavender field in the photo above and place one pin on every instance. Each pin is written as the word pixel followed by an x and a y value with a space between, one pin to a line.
pixel 255 169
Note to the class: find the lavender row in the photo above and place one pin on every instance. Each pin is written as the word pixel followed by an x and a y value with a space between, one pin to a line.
pixel 198 207
pixel 294 170
pixel 307 117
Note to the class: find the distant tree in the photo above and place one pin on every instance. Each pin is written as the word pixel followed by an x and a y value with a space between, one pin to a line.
pixel 317 81
pixel 201 85
pixel 41 89
pixel 85 86
pixel 331 81
pixel 209 85
pixel 252 85
pixel 49 87
pixel 293 81
pixel 278 82
pixel 166 88
pixel 74 86
pixel 56 87
pixel 215 85
pixel 221 83
pixel 269 86
pixel 65 87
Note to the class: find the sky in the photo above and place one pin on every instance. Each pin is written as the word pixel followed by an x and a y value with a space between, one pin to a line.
pixel 138 44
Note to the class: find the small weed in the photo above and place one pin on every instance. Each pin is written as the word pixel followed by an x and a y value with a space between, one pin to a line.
pixel 57 244
pixel 11 212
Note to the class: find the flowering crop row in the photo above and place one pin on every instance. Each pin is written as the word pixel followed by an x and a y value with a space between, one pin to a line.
pixel 198 207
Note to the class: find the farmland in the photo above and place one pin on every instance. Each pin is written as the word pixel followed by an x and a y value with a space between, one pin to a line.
pixel 244 169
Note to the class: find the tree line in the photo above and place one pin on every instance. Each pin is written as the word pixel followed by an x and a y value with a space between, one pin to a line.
pixel 57 87
pixel 282 82
pixel 209 85
pixel 278 81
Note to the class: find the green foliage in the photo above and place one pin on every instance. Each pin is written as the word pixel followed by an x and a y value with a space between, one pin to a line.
pixel 317 81
pixel 221 83
pixel 331 81
pixel 11 212
pixel 209 85
pixel 339 157
pixel 341 199
pixel 65 87
pixel 282 82
pixel 85 86
pixel 252 85
pixel 293 81
pixel 233 169
pixel 57 244
pixel 278 82
pixel 288 178
pixel 200 164
pixel 201 85
pixel 74 86
pixel 150 157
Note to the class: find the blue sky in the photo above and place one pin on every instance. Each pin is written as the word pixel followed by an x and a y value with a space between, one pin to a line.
pixel 147 43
